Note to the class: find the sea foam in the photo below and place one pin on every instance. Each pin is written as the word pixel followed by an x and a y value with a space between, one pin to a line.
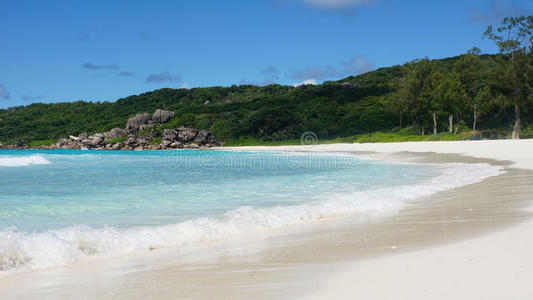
pixel 22 161
pixel 20 251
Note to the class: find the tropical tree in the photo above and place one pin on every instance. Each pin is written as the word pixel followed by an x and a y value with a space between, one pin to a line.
pixel 414 87
pixel 514 40
pixel 470 68
pixel 394 103
pixel 449 97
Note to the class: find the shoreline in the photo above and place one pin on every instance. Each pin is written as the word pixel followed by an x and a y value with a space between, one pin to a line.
pixel 515 151
pixel 313 262
pixel 494 265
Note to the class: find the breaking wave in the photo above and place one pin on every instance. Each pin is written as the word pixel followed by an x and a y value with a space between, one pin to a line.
pixel 20 251
pixel 22 161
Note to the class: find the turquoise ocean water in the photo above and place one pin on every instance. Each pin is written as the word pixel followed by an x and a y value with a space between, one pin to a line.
pixel 62 206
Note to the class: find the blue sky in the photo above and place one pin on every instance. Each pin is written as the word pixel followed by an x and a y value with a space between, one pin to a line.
pixel 53 51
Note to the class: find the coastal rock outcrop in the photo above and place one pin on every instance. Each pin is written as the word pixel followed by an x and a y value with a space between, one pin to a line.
pixel 134 137
pixel 97 139
pixel 169 135
pixel 201 137
pixel 186 134
pixel 162 116
pixel 114 133
pixel 67 144
pixel 186 137
pixel 135 123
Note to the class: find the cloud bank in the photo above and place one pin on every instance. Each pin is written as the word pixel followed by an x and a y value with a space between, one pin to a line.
pixel 4 94
pixel 335 4
pixel 271 73
pixel 90 66
pixel 163 77
pixel 497 10
pixel 31 98
pixel 357 65
pixel 315 72
pixel 354 66
pixel 126 74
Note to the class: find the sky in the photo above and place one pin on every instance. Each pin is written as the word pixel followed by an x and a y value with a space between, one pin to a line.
pixel 55 51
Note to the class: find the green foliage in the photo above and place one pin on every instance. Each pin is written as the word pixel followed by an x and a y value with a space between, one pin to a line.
pixel 156 141
pixel 203 122
pixel 415 89
pixel 118 139
pixel 42 143
pixel 153 130
pixel 513 70
pixel 380 137
pixel 404 135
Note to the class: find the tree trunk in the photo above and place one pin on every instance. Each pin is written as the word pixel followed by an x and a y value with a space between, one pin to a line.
pixel 400 120
pixel 475 117
pixel 450 118
pixel 517 125
pixel 457 126
pixel 419 126
pixel 434 124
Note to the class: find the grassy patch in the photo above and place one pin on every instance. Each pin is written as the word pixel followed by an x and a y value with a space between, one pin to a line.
pixel 527 133
pixel 156 141
pixel 376 137
pixel 42 143
pixel 154 130
pixel 381 137
pixel 118 139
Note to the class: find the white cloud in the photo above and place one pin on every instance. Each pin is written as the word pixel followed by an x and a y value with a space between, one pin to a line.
pixel 336 4
pixel 184 85
pixel 305 82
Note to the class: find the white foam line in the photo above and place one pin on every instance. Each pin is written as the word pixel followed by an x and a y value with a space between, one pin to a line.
pixel 22 161
pixel 29 251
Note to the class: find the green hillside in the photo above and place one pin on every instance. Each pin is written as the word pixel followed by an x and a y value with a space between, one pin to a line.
pixel 374 101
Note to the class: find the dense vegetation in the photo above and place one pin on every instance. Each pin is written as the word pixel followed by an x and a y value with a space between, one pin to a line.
pixel 443 97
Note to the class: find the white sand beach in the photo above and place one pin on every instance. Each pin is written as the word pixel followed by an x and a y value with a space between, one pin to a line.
pixel 519 152
pixel 494 266
pixel 471 242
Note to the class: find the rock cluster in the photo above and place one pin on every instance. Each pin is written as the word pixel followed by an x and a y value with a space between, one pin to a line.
pixel 130 138
pixel 181 138
pixel 95 141
pixel 185 137
pixel 160 116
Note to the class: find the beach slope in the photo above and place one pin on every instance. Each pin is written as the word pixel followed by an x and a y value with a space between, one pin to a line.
pixel 494 266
